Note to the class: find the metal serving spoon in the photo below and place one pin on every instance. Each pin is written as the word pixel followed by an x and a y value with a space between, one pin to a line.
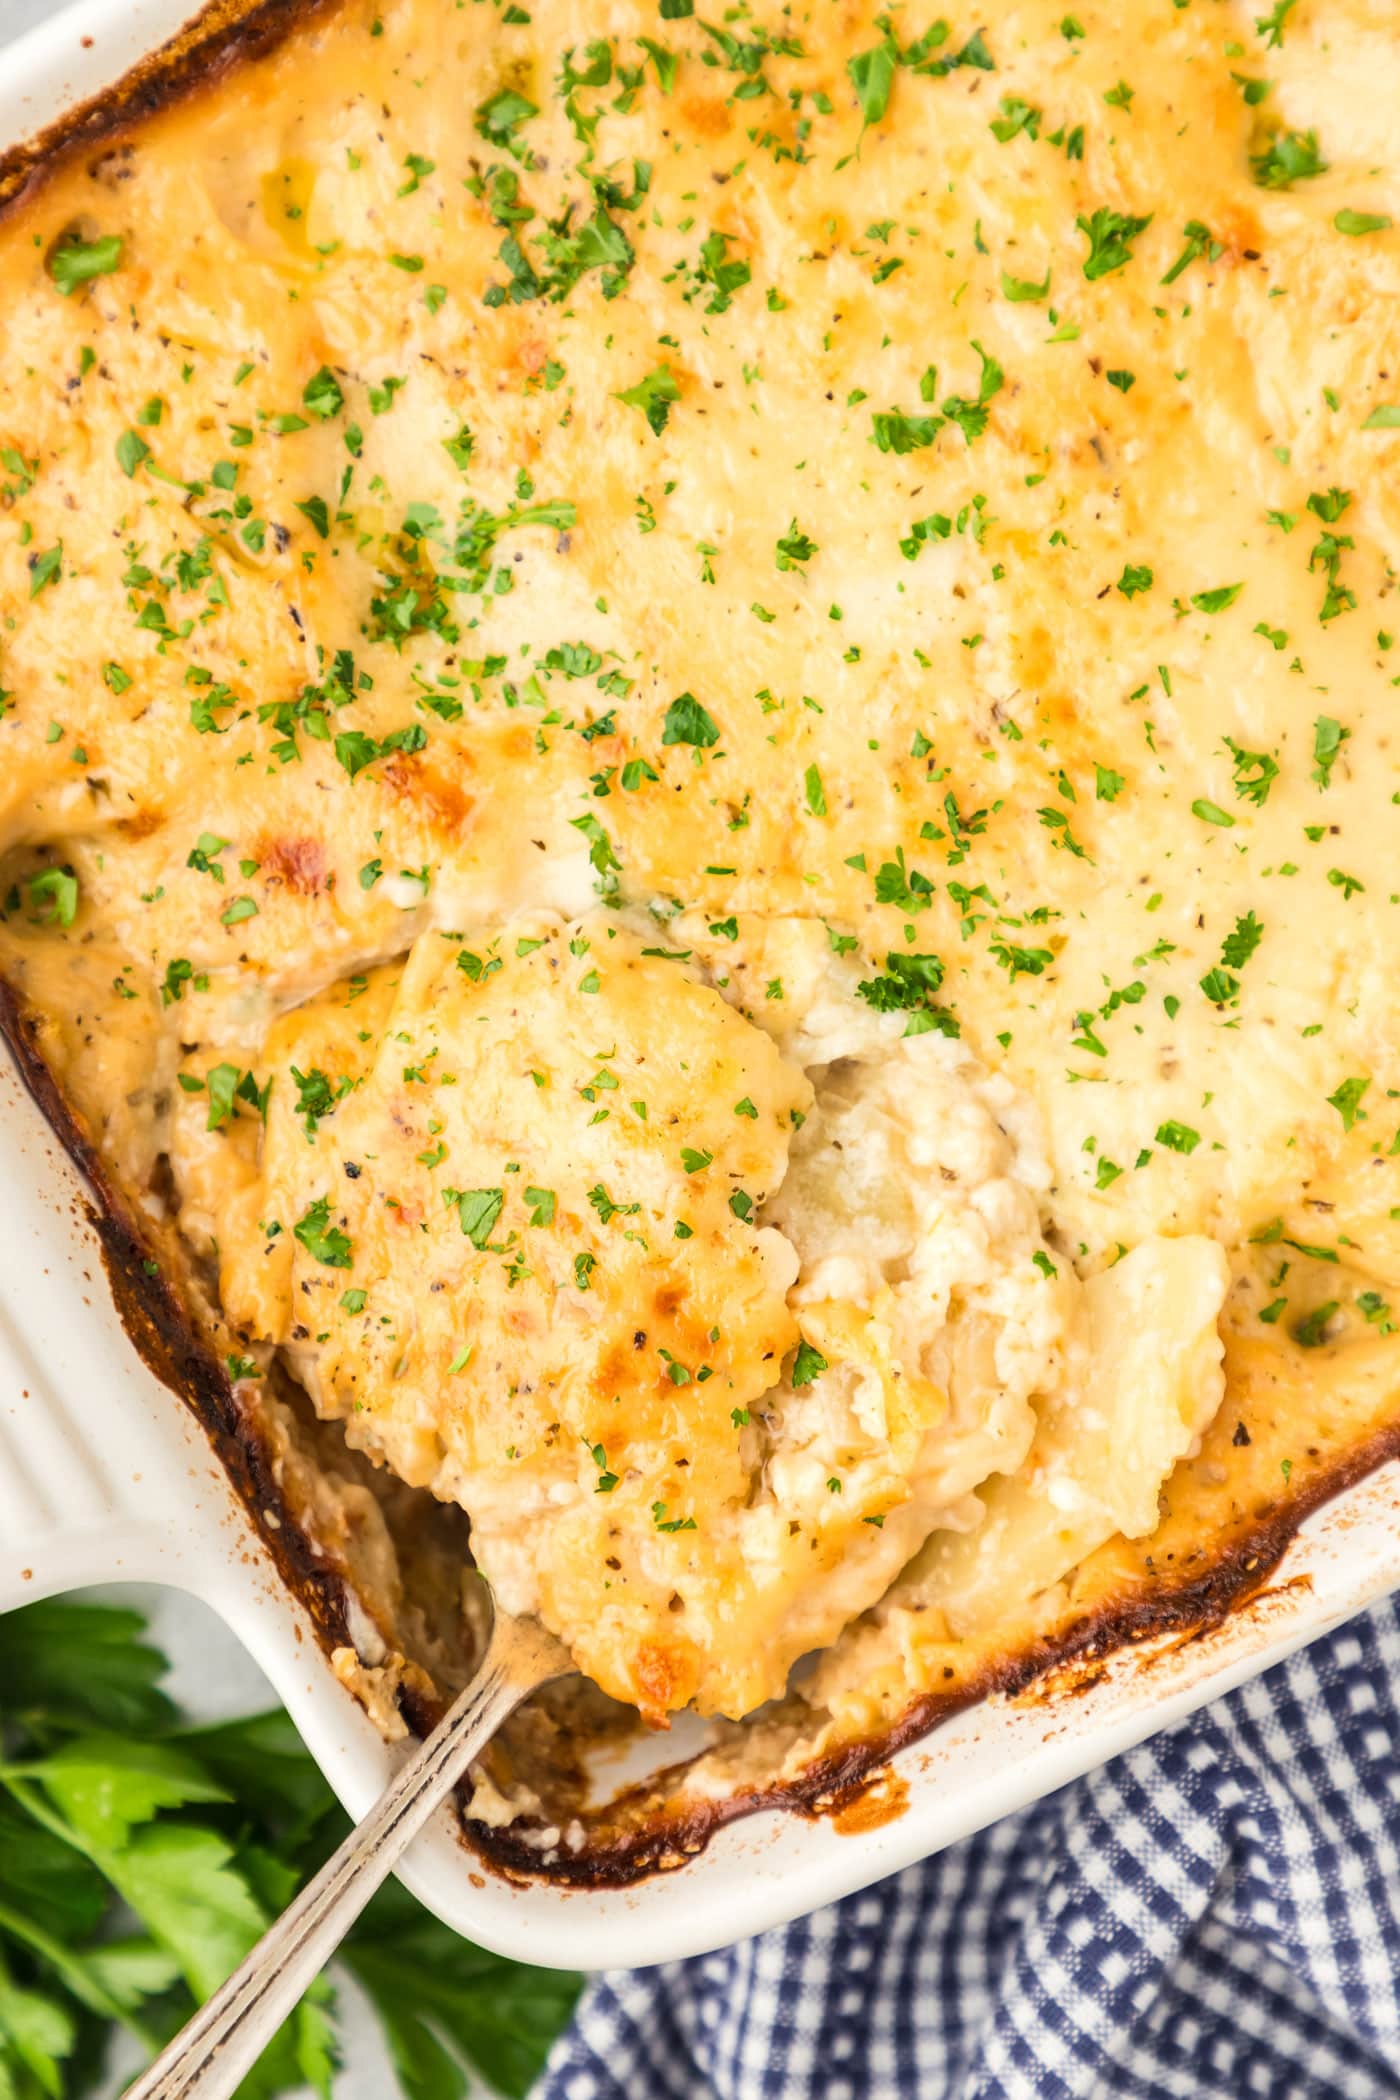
pixel 216 2049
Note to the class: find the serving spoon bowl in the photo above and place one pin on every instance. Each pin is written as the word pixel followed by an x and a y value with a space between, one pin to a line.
pixel 214 2051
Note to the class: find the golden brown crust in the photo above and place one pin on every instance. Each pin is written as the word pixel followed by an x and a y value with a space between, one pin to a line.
pixel 1318 1421
pixel 646 1831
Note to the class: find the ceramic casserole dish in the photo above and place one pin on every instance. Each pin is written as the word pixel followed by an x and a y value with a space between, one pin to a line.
pixel 125 1454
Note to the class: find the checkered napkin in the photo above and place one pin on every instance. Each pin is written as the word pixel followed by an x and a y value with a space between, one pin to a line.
pixel 1214 1916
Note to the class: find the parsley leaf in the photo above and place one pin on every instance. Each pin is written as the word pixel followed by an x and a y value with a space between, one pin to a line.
pixel 794 548
pixel 1024 290
pixel 317 1096
pixel 322 1240
pixel 1347 1101
pixel 893 431
pixel 131 449
pixel 1021 962
pixel 909 981
pixel 1255 773
pixel 477 1211
pixel 872 76
pixel 1241 944
pixel 653 396
pixel 808 1364
pixel 448 2007
pixel 501 115
pixel 1216 601
pixel 1358 222
pixel 1199 241
pixel 1328 739
pixel 53 896
pixel 84 1666
pixel 73 262
pixel 687 722
pixel 1293 156
pixel 45 568
pixel 322 394
pixel 201 1836
pixel 906 887
pixel 1110 235
pixel 725 276
pixel 1270 26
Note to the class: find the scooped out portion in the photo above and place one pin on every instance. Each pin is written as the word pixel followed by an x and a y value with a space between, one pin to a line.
pixel 706 1351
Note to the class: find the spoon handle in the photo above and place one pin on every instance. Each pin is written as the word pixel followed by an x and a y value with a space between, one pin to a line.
pixel 219 2045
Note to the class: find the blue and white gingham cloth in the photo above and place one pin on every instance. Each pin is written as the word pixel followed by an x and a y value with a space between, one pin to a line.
pixel 1214 1916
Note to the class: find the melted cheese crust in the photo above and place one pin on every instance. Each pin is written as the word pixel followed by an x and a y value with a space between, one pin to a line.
pixel 476 468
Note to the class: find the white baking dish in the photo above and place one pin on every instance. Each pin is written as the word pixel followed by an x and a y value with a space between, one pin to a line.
pixel 103 1476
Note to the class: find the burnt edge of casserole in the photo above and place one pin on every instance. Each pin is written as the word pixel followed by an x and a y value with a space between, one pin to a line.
pixel 220 36
pixel 650 1831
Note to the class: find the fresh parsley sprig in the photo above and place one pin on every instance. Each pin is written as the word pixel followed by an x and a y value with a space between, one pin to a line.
pixel 140 1859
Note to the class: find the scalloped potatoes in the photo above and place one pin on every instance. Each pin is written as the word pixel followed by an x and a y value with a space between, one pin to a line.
pixel 706 1353
pixel 877 537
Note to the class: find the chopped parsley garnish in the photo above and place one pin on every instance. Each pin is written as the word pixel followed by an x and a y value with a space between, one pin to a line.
pixel 226 1086
pixel 1021 962
pixel 322 394
pixel 1241 944
pixel 477 1211
pixel 1110 235
pixel 807 1365
pixel 794 548
pixel 1359 222
pixel 1199 241
pixel 909 981
pixel 1023 291
pixel 501 115
pixel 654 396
pixel 904 886
pixel 1328 739
pixel 132 449
pixel 1216 601
pixel 1292 156
pixel 53 896
pixel 687 722
pixel 317 1096
pixel 1270 26
pixel 322 1240
pixel 1311 1333
pixel 1347 1101
pixel 74 262
pixel 894 431
pixel 45 569
pixel 1255 773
